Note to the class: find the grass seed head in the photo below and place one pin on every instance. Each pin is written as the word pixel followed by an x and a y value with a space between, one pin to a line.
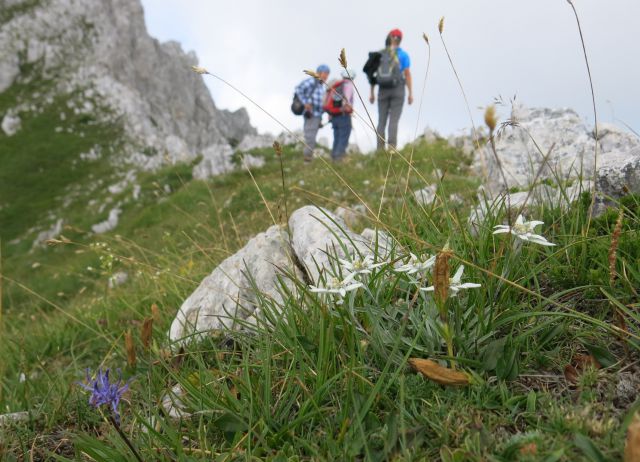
pixel 130 348
pixel 199 70
pixel 441 25
pixel 277 147
pixel 425 37
pixel 441 274
pixel 490 117
pixel 147 331
pixel 613 247
pixel 343 58
pixel 313 74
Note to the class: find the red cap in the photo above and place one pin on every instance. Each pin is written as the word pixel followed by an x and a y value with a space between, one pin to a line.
pixel 396 33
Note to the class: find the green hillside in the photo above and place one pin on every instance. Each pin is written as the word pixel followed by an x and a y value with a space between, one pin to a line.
pixel 550 339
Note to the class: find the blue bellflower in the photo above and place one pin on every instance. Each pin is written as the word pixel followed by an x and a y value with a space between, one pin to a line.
pixel 104 392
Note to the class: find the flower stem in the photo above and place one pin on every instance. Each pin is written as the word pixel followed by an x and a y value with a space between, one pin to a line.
pixel 124 438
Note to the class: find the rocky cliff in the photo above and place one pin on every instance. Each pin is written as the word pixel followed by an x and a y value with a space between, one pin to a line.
pixel 99 52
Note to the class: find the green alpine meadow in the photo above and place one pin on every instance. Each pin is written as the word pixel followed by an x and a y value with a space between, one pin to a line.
pixel 176 286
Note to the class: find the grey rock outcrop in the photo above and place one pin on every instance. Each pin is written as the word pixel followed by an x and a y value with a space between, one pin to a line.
pixel 228 296
pixel 216 160
pixel 318 237
pixel 426 195
pixel 618 172
pixel 13 417
pixel 101 52
pixel 572 155
pixel 109 224
pixel 11 123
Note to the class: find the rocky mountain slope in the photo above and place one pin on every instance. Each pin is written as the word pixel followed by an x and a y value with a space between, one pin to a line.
pixel 88 100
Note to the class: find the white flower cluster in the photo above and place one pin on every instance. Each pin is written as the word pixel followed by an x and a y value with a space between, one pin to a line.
pixel 524 230
pixel 358 268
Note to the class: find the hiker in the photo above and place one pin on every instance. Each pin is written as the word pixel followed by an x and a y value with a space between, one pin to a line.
pixel 391 76
pixel 311 92
pixel 339 105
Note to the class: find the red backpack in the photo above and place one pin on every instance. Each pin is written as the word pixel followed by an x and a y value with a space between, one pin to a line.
pixel 334 100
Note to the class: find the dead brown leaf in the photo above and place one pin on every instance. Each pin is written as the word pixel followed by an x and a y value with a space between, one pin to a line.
pixel 530 449
pixel 632 445
pixel 579 363
pixel 439 374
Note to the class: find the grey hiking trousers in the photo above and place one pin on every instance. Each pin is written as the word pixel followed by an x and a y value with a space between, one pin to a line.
pixel 390 101
pixel 311 127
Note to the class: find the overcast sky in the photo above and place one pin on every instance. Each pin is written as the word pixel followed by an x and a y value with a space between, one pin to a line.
pixel 530 49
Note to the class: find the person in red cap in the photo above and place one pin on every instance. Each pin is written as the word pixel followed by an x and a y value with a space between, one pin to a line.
pixel 392 75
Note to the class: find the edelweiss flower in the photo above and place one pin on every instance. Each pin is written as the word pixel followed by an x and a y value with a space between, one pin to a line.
pixel 359 265
pixel 454 283
pixel 524 230
pixel 337 287
pixel 416 265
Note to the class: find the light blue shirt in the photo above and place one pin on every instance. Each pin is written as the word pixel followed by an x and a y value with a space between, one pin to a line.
pixel 403 59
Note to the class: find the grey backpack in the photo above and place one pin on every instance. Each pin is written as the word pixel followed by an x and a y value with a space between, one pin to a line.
pixel 389 75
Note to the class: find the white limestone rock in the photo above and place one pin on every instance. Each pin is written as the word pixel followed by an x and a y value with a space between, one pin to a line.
pixel 255 141
pixel 379 242
pixel 109 224
pixel 426 195
pixel 216 160
pixel 317 233
pixel 11 123
pixel 351 215
pixel 13 417
pixel 100 54
pixel 50 233
pixel 229 295
pixel 618 171
pixel 431 135
pixel 572 156
pixel 173 403
pixel 613 138
pixel 250 162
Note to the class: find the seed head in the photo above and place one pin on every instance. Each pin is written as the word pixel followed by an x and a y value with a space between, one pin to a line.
pixel 277 147
pixel 199 70
pixel 490 117
pixel 313 74
pixel 425 37
pixel 441 274
pixel 343 58
pixel 441 25
pixel 130 348
pixel 146 333
pixel 613 247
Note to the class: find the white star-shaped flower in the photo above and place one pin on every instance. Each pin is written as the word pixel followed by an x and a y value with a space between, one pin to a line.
pixel 359 265
pixel 338 287
pixel 416 265
pixel 524 230
pixel 455 284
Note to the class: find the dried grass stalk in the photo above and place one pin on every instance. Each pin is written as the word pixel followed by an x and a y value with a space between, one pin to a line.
pixel 130 348
pixel 147 332
pixel 613 248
